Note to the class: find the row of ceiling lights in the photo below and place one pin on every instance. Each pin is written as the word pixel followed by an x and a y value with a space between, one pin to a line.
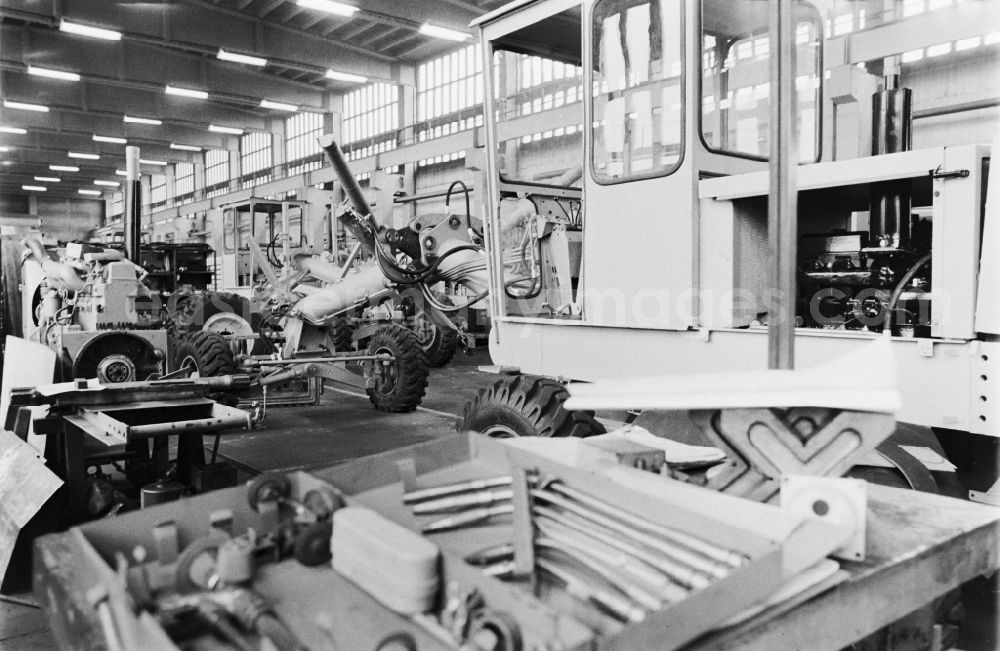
pixel 329 6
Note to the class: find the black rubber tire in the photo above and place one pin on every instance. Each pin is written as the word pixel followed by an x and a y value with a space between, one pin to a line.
pixel 209 351
pixel 341 332
pixel 526 405
pixel 401 387
pixel 268 486
pixel 440 347
pixel 312 544
pixel 189 313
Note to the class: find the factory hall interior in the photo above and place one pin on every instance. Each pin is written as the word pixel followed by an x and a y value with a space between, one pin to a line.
pixel 499 325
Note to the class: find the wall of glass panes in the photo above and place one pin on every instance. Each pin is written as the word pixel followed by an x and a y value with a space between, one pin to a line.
pixel 301 132
pixel 184 181
pixel 449 83
pixel 117 206
pixel 157 189
pixel 371 114
pixel 255 158
pixel 216 172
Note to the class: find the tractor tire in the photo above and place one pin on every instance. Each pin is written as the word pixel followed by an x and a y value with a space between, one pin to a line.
pixel 341 332
pixel 439 342
pixel 526 405
pixel 208 353
pixel 399 386
pixel 189 313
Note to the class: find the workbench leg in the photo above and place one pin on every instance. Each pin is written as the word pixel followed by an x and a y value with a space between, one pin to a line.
pixel 75 475
pixel 190 452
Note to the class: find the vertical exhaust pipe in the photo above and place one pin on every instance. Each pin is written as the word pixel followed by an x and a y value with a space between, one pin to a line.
pixel 892 120
pixel 133 205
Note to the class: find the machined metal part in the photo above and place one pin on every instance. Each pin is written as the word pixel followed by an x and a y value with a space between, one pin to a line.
pixel 462 502
pixel 643 565
pixel 458 487
pixel 699 545
pixel 116 368
pixel 583 590
pixel 467 519
pixel 589 557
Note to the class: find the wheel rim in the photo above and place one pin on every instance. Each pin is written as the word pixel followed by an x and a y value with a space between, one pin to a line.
pixel 191 364
pixel 230 323
pixel 425 329
pixel 500 432
pixel 115 369
pixel 386 375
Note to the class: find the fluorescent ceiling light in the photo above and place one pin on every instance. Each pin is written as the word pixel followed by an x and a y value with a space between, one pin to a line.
pixel 129 118
pixel 345 76
pixel 93 193
pixel 64 168
pixel 230 130
pixel 110 184
pixel 7 162
pixel 158 163
pixel 5 148
pixel 53 74
pixel 25 106
pixel 48 179
pixel 186 92
pixel 277 106
pixel 329 6
pixel 17 130
pixel 241 58
pixel 174 145
pixel 114 139
pixel 121 172
pixel 87 30
pixel 36 188
pixel 427 29
pixel 76 154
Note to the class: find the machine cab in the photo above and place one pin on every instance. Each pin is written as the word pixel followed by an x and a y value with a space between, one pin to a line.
pixel 678 91
pixel 278 227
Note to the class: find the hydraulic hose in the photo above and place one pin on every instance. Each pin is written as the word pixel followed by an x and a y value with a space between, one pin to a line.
pixel 896 293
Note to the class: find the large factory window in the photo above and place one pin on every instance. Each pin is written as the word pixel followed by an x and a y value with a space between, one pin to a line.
pixel 371 118
pixel 157 189
pixel 301 132
pixel 255 158
pixel 184 182
pixel 449 83
pixel 216 172
pixel 638 124
pixel 735 79
pixel 537 80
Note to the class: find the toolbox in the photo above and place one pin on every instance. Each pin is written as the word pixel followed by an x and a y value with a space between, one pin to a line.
pixel 325 610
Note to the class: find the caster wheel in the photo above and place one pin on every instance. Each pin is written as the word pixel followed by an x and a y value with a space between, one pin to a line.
pixel 267 487
pixel 312 546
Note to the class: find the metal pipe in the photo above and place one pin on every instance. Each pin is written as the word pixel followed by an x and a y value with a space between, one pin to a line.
pixel 457 487
pixel 699 545
pixel 251 363
pixel 133 205
pixel 782 208
pixel 344 175
pixel 462 502
pixel 413 198
pixel 582 590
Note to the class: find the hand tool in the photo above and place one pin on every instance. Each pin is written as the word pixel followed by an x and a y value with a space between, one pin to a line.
pixel 677 579
pixel 620 608
pixel 699 545
pixel 577 552
pixel 467 519
pixel 462 502
pixel 490 554
pixel 452 489
pixel 675 552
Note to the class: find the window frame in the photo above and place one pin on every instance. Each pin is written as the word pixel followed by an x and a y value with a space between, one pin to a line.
pixel 820 24
pixel 588 117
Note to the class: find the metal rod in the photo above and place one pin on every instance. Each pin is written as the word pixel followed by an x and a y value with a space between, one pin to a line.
pixel 355 250
pixel 582 590
pixel 133 205
pixel 696 544
pixel 344 175
pixel 462 502
pixel 411 198
pixel 782 209
pixel 457 487
pixel 382 357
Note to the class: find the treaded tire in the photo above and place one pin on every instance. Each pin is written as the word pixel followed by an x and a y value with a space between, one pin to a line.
pixel 526 405
pixel 190 312
pixel 400 386
pixel 341 331
pixel 442 349
pixel 210 353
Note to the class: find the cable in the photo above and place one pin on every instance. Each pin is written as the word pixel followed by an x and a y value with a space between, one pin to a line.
pixel 468 209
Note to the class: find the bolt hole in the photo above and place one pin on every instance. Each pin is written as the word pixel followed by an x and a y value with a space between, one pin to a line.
pixel 986 358
pixel 983 398
pixel 983 377
pixel 982 417
pixel 820 507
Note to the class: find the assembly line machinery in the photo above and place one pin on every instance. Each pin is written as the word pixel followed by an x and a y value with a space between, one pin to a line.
pixel 654 257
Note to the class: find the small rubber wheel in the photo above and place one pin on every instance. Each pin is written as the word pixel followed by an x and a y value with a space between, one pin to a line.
pixel 399 384
pixel 196 563
pixel 267 487
pixel 526 405
pixel 323 502
pixel 312 545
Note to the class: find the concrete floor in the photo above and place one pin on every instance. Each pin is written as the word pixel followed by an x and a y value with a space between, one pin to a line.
pixel 345 426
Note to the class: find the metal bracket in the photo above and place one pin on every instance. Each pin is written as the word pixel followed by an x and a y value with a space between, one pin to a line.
pixel 939 174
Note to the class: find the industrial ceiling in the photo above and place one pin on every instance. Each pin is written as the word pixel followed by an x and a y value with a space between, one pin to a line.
pixel 233 55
